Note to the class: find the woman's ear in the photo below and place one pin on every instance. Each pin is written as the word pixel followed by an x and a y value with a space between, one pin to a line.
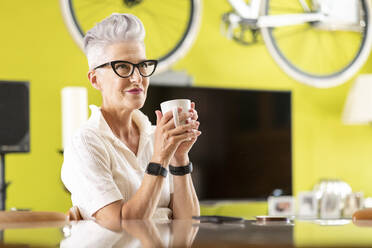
pixel 93 79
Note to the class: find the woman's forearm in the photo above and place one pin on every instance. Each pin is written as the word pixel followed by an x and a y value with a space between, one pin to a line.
pixel 144 202
pixel 185 203
pixel 142 205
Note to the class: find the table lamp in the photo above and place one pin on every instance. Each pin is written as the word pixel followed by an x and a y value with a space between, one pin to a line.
pixel 358 106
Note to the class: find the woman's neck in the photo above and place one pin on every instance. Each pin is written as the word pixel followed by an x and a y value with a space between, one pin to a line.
pixel 120 121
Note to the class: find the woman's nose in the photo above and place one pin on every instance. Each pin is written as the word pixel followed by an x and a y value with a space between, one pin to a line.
pixel 136 76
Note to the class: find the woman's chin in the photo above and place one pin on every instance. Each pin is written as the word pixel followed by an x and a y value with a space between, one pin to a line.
pixel 136 104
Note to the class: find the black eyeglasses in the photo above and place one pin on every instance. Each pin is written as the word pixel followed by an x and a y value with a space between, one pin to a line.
pixel 125 69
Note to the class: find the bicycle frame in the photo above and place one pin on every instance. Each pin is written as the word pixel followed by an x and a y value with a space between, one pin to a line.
pixel 342 14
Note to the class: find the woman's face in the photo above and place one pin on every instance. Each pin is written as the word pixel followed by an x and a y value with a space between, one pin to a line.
pixel 123 93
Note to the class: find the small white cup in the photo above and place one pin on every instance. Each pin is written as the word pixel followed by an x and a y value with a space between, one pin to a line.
pixel 173 105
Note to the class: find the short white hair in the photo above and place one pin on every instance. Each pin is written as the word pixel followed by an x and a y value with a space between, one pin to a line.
pixel 113 29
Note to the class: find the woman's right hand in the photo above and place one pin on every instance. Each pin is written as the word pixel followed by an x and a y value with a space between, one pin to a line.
pixel 168 137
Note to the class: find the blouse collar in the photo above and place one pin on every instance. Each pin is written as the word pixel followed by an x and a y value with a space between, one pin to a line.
pixel 139 118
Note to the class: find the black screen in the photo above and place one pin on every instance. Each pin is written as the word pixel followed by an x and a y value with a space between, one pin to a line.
pixel 244 151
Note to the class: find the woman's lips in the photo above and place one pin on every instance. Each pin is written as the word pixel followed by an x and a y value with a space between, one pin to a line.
pixel 135 91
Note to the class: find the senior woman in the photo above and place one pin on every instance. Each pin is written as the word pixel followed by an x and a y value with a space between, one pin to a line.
pixel 116 165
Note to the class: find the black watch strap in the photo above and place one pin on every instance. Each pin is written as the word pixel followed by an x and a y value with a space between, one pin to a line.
pixel 180 170
pixel 156 170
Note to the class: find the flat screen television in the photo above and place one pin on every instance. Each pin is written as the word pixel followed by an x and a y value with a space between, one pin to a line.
pixel 244 152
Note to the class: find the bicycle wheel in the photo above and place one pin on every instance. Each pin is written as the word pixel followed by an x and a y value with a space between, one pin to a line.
pixel 313 53
pixel 171 26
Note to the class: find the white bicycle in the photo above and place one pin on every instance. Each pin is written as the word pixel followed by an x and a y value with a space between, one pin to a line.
pixel 321 43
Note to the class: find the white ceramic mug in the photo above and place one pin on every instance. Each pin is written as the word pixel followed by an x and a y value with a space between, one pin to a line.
pixel 173 105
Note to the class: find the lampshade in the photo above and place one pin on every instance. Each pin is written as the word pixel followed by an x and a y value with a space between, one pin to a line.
pixel 358 106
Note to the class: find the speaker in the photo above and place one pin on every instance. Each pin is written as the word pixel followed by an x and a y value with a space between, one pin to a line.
pixel 14 117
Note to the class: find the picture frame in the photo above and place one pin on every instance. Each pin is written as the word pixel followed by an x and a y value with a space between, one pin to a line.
pixel 330 206
pixel 307 205
pixel 281 206
pixel 353 202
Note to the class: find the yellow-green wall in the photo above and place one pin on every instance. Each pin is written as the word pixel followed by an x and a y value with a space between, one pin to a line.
pixel 36 46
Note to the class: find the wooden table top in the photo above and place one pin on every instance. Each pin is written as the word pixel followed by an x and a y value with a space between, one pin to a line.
pixel 182 233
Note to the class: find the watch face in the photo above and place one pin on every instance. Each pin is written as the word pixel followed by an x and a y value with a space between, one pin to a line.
pixel 156 169
pixel 182 170
pixel 153 169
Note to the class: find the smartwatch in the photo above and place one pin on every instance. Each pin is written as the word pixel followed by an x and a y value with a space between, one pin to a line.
pixel 180 170
pixel 156 170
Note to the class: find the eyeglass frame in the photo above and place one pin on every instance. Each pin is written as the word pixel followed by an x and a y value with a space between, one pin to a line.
pixel 113 63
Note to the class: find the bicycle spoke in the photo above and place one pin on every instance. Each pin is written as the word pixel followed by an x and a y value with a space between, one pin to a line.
pixel 161 40
pixel 313 63
pixel 89 3
pixel 322 56
pixel 342 58
pixel 174 17
pixel 292 32
pixel 172 24
pixel 165 4
pixel 302 55
pixel 88 18
pixel 355 49
pixel 336 44
pixel 322 63
pixel 174 31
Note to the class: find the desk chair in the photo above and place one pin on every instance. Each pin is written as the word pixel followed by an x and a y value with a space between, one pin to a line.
pixel 73 214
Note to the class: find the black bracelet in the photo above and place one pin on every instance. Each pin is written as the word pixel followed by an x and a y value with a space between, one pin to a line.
pixel 180 170
pixel 156 170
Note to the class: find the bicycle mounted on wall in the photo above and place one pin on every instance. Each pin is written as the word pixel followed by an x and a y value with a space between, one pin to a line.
pixel 321 43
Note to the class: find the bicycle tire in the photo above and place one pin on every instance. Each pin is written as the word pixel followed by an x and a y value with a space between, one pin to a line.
pixel 291 65
pixel 166 58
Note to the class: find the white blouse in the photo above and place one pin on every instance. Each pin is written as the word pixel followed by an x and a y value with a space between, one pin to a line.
pixel 99 169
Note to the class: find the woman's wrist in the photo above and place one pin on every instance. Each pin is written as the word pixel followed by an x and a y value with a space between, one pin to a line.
pixel 159 160
pixel 180 161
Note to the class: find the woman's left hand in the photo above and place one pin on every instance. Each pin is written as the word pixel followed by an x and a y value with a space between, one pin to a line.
pixel 181 156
